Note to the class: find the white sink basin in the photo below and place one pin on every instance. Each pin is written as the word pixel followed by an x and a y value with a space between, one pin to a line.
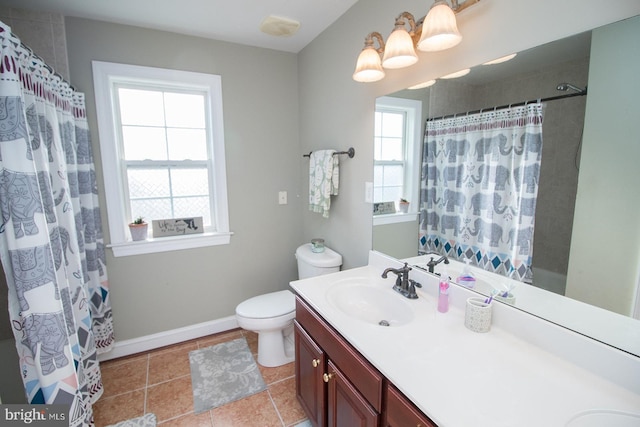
pixel 604 417
pixel 371 304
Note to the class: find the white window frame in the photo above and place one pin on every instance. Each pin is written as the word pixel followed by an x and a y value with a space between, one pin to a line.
pixel 413 132
pixel 106 76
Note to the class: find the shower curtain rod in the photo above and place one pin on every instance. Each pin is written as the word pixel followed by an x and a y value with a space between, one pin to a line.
pixel 516 104
pixel 47 66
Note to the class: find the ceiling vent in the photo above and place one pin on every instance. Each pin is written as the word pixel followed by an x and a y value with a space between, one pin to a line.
pixel 278 26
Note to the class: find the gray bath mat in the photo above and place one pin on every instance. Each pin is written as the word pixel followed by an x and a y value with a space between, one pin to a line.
pixel 147 420
pixel 222 374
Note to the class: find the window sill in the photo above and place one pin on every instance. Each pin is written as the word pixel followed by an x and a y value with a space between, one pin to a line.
pixel 394 218
pixel 172 243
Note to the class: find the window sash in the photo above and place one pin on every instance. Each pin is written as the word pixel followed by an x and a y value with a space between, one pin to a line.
pixel 109 76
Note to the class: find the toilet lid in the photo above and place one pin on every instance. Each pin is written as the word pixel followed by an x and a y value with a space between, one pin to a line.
pixel 269 305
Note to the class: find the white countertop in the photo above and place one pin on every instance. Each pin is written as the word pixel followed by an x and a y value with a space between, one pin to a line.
pixel 460 378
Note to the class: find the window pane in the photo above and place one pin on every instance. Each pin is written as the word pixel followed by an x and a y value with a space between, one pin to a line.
pixel 190 182
pixel 377 130
pixel 141 107
pixel 142 143
pixel 393 175
pixel 187 144
pixel 377 148
pixel 145 183
pixel 391 194
pixel 184 110
pixel 377 195
pixel 378 175
pixel 151 209
pixel 193 206
pixel 392 125
pixel 391 149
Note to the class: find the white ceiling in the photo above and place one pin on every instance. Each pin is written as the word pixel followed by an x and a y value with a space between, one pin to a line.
pixel 235 21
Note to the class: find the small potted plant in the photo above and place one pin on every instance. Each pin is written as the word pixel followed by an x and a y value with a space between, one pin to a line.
pixel 138 229
pixel 404 205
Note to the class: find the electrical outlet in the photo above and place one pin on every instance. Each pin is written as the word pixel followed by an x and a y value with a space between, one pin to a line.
pixel 282 198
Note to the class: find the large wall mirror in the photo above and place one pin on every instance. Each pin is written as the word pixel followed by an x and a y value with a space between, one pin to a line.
pixel 580 206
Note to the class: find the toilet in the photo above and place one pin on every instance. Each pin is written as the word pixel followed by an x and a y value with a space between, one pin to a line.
pixel 271 315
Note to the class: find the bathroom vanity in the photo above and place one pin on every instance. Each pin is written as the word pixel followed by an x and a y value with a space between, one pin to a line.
pixel 427 369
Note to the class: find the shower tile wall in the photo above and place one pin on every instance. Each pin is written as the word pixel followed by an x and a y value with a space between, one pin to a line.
pixel 43 32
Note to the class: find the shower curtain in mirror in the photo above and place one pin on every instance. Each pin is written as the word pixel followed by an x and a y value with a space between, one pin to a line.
pixel 51 238
pixel 479 186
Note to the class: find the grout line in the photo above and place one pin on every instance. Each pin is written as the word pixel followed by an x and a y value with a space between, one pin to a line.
pixel 275 407
pixel 146 386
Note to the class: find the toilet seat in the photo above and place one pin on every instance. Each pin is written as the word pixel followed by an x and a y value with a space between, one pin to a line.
pixel 268 306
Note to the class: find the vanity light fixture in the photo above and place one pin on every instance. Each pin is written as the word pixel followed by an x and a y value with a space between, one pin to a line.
pixel 436 31
pixel 399 52
pixel 369 67
pixel 439 29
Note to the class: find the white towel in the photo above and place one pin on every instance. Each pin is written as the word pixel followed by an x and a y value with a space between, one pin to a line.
pixel 324 178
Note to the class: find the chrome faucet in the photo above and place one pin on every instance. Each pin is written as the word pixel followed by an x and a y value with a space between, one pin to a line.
pixel 431 264
pixel 404 286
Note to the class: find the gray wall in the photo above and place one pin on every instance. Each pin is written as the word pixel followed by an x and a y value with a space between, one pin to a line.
pixel 160 292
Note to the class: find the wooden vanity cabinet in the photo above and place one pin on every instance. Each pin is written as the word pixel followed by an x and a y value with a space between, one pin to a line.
pixel 338 387
pixel 400 412
pixel 335 385
pixel 309 368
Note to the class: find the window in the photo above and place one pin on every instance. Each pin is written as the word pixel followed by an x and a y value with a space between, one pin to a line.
pixel 161 140
pixel 397 137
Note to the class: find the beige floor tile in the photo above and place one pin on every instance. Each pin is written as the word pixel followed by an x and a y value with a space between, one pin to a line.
pixel 252 411
pixel 119 378
pixel 190 420
pixel 171 398
pixel 283 394
pixel 210 340
pixel 168 365
pixel 279 373
pixel 252 340
pixel 111 410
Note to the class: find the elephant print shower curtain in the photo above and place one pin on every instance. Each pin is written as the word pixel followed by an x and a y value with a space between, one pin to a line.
pixel 51 238
pixel 479 186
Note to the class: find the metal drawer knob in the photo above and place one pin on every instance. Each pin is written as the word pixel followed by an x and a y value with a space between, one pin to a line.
pixel 315 363
pixel 327 377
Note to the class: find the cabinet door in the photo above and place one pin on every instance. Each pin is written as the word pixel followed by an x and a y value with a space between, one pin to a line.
pixel 310 366
pixel 402 413
pixel 345 405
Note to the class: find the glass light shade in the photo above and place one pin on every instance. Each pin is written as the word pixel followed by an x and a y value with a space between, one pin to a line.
pixel 368 67
pixel 399 51
pixel 439 30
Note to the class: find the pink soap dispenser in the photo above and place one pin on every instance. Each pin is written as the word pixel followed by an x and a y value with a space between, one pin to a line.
pixel 443 292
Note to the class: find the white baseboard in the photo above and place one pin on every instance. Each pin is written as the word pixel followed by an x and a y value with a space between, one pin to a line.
pixel 161 339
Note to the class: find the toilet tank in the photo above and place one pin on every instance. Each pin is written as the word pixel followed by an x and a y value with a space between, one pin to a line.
pixel 312 264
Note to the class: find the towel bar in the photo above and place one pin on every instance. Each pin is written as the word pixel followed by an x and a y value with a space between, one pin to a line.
pixel 351 152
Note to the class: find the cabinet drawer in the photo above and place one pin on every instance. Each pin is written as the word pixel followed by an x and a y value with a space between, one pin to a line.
pixel 361 373
pixel 402 413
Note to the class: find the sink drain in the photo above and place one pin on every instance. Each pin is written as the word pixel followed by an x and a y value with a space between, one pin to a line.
pixel 384 323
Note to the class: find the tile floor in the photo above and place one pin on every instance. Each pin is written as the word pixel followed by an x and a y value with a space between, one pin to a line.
pixel 160 382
